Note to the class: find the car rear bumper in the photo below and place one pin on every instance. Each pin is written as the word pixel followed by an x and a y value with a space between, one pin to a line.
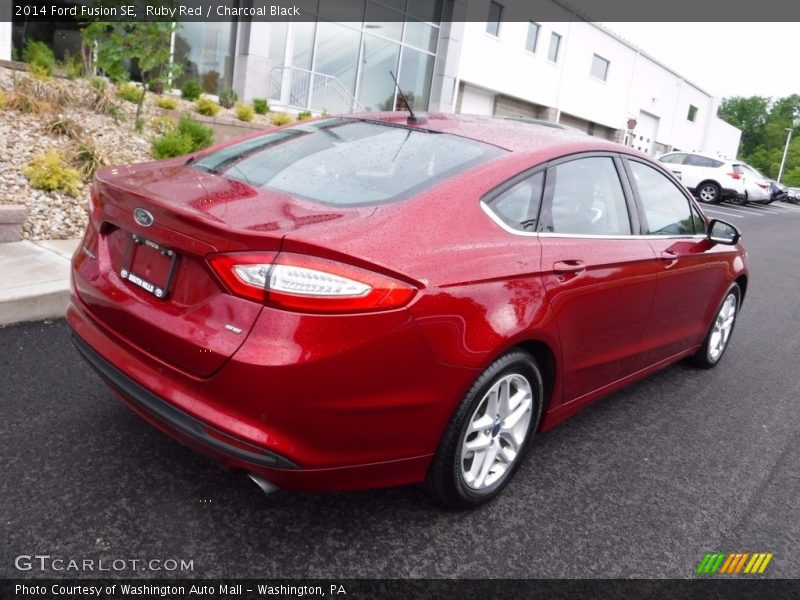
pixel 367 416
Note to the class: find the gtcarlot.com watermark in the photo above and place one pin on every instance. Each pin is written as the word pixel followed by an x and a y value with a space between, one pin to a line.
pixel 48 563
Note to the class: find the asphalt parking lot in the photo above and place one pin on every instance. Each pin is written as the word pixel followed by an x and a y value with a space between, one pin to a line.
pixel 641 484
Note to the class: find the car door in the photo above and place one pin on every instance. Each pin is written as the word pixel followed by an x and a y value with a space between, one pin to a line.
pixel 599 278
pixel 674 162
pixel 691 271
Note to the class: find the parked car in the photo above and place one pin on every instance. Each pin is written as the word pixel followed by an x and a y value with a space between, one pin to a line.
pixel 358 301
pixel 793 195
pixel 758 188
pixel 713 179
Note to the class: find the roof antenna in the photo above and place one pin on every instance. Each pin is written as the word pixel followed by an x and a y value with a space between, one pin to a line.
pixel 413 119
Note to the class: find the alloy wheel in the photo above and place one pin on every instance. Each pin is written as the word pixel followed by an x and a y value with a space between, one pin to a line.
pixel 496 432
pixel 723 326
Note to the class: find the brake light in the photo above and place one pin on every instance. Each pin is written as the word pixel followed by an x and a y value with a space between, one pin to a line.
pixel 763 186
pixel 307 283
pixel 735 175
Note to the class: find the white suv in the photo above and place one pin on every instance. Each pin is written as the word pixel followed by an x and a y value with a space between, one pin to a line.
pixel 709 178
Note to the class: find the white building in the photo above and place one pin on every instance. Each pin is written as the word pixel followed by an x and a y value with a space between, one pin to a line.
pixel 579 73
pixel 561 67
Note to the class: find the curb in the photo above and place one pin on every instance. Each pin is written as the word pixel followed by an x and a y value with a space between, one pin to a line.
pixel 37 282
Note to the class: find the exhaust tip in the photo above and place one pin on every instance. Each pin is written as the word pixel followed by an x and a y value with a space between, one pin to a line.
pixel 266 486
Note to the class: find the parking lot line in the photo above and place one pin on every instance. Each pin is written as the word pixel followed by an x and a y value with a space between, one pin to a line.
pixel 789 207
pixel 723 213
pixel 769 209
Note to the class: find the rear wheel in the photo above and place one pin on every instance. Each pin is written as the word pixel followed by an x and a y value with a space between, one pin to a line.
pixel 485 441
pixel 709 192
pixel 719 334
pixel 737 200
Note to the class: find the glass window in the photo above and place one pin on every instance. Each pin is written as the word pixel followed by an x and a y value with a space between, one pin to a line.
pixel 599 67
pixel 342 10
pixel 376 88
pixel 692 115
pixel 382 21
pixel 421 35
pixel 555 44
pixel 425 10
pixel 533 36
pixel 666 208
pixel 493 20
pixel 337 55
pixel 303 48
pixel 347 161
pixel 672 159
pixel 587 199
pixel 416 72
pixel 205 51
pixel 518 207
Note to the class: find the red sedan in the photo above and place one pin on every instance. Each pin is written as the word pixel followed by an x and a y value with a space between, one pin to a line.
pixel 368 301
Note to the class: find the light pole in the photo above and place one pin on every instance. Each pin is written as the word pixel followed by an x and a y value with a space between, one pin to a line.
pixel 785 150
pixel 796 122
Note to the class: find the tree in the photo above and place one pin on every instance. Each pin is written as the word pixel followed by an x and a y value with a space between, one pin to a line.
pixel 748 114
pixel 764 122
pixel 146 43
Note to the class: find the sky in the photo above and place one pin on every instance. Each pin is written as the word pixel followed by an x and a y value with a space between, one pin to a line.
pixel 724 59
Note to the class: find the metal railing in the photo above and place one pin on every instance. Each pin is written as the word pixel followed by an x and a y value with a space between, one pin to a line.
pixel 308 90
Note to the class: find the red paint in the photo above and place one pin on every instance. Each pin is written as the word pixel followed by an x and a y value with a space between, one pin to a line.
pixel 360 398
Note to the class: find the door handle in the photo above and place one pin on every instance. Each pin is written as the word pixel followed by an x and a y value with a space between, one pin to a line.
pixel 563 267
pixel 669 255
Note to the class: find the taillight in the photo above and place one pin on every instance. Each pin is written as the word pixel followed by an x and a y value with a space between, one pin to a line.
pixel 307 283
pixel 763 186
pixel 735 175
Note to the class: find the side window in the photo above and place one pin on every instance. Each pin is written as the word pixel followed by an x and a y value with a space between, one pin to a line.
pixel 666 209
pixel 587 198
pixel 518 207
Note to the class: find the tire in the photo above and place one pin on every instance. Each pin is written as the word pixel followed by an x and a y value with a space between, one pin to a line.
pixel 709 192
pixel 460 476
pixel 714 346
pixel 737 201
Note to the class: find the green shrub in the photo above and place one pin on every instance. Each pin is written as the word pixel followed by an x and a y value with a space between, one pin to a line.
pixel 130 92
pixel 163 125
pixel 261 105
pixel 38 72
pixel 171 144
pixel 87 157
pixel 73 66
pixel 191 90
pixel 166 102
pixel 189 136
pixel 206 106
pixel 39 54
pixel 227 98
pixel 304 115
pixel 48 172
pixel 116 113
pixel 281 118
pixel 211 82
pixel 201 136
pixel 244 112
pixel 3 100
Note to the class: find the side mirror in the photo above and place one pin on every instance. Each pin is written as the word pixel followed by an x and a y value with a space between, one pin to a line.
pixel 722 232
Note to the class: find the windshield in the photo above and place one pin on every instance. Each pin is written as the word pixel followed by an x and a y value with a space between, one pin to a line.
pixel 347 161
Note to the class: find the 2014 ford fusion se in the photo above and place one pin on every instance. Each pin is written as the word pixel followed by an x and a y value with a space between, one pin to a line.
pixel 373 300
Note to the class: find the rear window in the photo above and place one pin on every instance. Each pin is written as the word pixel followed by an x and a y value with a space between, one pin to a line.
pixel 348 161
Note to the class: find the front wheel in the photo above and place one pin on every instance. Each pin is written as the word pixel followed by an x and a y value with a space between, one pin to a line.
pixel 709 192
pixel 719 334
pixel 485 441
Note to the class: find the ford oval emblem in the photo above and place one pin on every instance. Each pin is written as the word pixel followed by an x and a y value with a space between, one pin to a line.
pixel 143 217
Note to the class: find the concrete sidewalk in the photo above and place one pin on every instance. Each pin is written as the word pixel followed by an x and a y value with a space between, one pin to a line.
pixel 34 279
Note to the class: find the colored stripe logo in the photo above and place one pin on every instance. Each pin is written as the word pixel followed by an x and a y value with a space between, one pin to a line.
pixel 734 563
